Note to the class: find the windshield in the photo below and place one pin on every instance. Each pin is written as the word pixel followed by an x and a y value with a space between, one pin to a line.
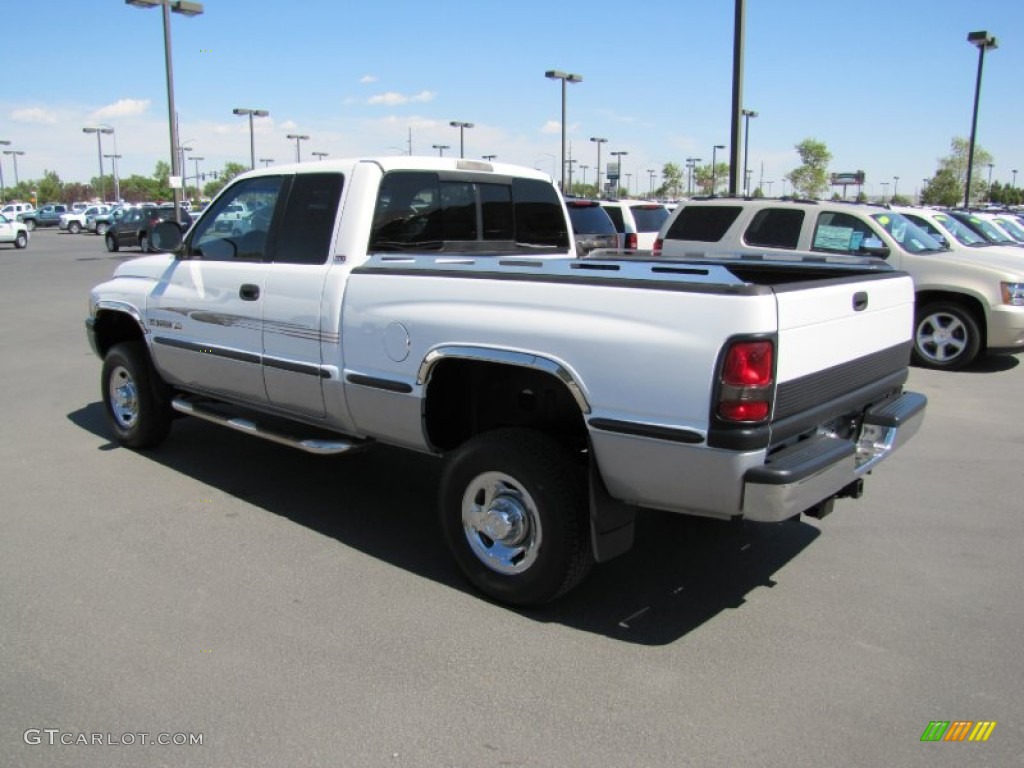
pixel 986 229
pixel 964 234
pixel 911 237
pixel 1013 229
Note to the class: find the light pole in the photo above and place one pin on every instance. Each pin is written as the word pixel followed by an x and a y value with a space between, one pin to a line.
pixel 565 77
pixel 691 165
pixel 618 169
pixel 489 158
pixel 252 138
pixel 885 190
pixel 199 192
pixel 597 171
pixel 266 161
pixel 1013 185
pixel 440 149
pixel 462 134
pixel 895 185
pixel 99 130
pixel 299 138
pixel 117 182
pixel 183 147
pixel 14 156
pixel 983 40
pixel 650 189
pixel 747 114
pixel 3 192
pixel 769 183
pixel 584 169
pixel 990 165
pixel 319 155
pixel 714 180
pixel 185 8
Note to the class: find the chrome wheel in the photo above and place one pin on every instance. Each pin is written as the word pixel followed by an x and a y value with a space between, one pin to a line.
pixel 124 397
pixel 946 336
pixel 501 523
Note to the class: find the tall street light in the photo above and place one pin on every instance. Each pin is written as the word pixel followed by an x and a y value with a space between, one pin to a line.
pixel 618 168
pixel 440 149
pixel 1013 185
pixel 983 40
pixel 747 114
pixel 462 134
pixel 3 192
pixel 489 158
pixel 185 8
pixel 252 138
pixel 650 188
pixel 14 156
pixel 895 186
pixel 565 77
pixel 319 155
pixel 299 138
pixel 266 161
pixel 885 190
pixel 99 130
pixel 117 180
pixel 597 171
pixel 199 192
pixel 714 151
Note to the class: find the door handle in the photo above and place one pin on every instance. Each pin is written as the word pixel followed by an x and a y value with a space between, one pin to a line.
pixel 249 292
pixel 860 301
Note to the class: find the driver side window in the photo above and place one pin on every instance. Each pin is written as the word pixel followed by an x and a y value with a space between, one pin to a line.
pixel 236 226
pixel 843 233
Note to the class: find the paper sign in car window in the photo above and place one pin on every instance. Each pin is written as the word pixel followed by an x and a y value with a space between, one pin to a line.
pixel 833 238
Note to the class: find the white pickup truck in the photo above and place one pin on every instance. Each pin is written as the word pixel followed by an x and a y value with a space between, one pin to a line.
pixel 436 304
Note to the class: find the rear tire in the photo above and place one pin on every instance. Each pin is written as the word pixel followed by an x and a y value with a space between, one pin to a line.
pixel 946 336
pixel 136 400
pixel 143 243
pixel 111 242
pixel 513 508
pixel 30 224
pixel 101 228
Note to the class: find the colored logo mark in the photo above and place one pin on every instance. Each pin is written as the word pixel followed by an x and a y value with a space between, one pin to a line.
pixel 958 730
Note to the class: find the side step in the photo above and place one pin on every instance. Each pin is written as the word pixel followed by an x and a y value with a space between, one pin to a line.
pixel 319 446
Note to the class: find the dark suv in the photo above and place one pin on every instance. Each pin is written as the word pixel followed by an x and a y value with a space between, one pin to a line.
pixel 134 226
pixel 591 226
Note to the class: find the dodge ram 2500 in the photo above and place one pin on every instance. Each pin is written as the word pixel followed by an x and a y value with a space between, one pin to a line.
pixel 437 304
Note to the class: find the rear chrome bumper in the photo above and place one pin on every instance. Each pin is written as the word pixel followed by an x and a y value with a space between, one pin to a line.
pixel 815 470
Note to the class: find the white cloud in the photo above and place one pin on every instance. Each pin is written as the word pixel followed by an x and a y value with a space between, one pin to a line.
pixel 123 108
pixel 34 115
pixel 551 126
pixel 368 79
pixel 393 99
pixel 424 96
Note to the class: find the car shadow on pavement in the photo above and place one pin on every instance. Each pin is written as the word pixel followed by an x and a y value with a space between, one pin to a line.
pixel 992 364
pixel 681 572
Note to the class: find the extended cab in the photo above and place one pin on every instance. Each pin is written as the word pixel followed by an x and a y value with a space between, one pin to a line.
pixel 46 216
pixel 436 304
pixel 968 300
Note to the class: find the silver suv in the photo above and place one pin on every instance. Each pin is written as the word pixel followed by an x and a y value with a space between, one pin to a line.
pixel 967 300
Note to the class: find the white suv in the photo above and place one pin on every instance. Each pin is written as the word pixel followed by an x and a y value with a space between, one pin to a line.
pixel 968 300
pixel 636 221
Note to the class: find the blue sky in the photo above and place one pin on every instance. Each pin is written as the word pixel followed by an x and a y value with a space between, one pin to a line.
pixel 886 85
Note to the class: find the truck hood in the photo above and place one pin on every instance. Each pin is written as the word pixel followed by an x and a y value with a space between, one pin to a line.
pixel 149 267
pixel 1003 259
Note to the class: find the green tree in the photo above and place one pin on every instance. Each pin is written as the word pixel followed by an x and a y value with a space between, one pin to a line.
pixel 811 178
pixel 49 188
pixel 955 163
pixel 223 177
pixel 702 177
pixel 944 188
pixel 671 180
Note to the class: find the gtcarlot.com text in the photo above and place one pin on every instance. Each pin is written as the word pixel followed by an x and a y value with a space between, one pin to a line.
pixel 61 737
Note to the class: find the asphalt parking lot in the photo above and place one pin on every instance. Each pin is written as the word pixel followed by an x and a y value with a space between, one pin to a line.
pixel 291 610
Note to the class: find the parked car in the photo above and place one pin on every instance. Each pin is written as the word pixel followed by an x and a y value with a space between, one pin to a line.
pixel 47 216
pixel 592 227
pixel 636 221
pixel 74 221
pixel 969 300
pixel 11 210
pixel 12 231
pixel 134 227
pixel 99 223
pixel 982 224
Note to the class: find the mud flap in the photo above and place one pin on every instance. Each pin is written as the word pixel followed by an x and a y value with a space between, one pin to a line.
pixel 612 522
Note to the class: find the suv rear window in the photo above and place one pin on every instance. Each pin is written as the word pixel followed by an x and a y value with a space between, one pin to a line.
pixel 703 223
pixel 423 210
pixel 589 218
pixel 649 218
pixel 775 228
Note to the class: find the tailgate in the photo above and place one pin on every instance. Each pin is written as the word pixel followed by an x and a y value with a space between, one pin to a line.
pixel 824 326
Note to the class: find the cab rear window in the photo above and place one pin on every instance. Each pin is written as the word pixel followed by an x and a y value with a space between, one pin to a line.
pixel 703 223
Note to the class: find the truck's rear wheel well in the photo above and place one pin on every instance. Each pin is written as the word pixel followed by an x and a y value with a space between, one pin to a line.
pixel 467 397
pixel 115 327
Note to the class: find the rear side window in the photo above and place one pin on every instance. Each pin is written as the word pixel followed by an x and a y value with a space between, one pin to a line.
pixel 649 218
pixel 615 214
pixel 775 228
pixel 419 210
pixel 703 223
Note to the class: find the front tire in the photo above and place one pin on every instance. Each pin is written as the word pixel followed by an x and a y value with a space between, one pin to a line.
pixel 101 228
pixel 946 336
pixel 513 508
pixel 21 240
pixel 143 243
pixel 136 400
pixel 74 227
pixel 111 242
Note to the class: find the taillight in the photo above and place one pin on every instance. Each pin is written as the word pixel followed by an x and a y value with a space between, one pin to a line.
pixel 745 382
pixel 657 246
pixel 631 241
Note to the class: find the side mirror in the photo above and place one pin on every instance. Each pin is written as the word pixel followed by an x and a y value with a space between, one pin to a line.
pixel 167 237
pixel 878 251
